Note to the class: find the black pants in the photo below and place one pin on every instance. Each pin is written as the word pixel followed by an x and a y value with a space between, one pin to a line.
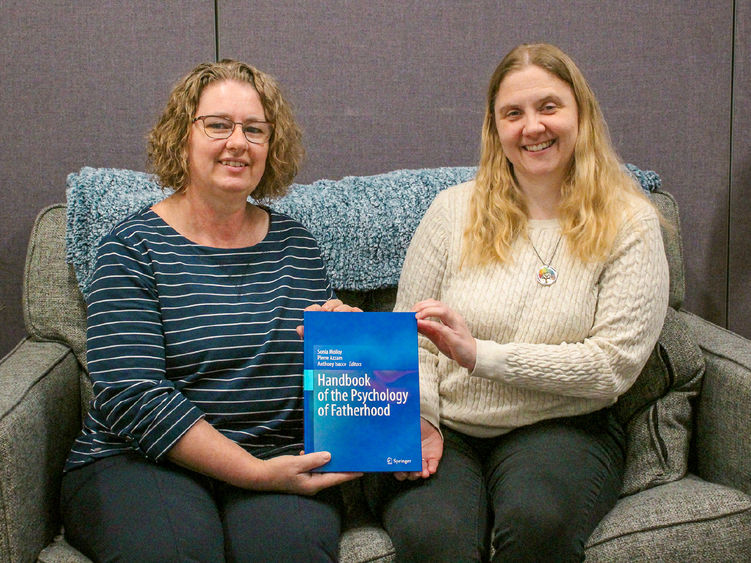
pixel 125 508
pixel 534 494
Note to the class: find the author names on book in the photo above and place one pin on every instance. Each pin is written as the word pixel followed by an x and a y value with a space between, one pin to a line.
pixel 333 358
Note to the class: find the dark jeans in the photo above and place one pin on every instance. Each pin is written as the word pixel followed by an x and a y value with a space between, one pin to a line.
pixel 534 494
pixel 125 508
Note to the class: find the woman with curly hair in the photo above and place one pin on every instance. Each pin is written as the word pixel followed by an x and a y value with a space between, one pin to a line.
pixel 191 447
pixel 540 289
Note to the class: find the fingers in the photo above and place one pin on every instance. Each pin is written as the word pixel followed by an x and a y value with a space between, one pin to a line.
pixel 331 305
pixel 409 476
pixel 309 462
pixel 319 481
pixel 431 466
pixel 315 482
pixel 437 310
pixel 311 482
pixel 431 329
pixel 420 306
pixel 334 306
pixel 447 330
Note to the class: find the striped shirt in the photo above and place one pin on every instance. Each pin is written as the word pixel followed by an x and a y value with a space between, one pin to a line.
pixel 178 332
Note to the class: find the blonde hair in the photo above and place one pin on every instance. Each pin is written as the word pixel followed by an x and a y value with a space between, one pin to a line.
pixel 594 190
pixel 167 141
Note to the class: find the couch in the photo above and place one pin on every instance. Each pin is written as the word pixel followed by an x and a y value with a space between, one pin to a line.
pixel 687 492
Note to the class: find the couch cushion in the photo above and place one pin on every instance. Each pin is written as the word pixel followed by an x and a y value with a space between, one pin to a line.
pixel 671 236
pixel 657 411
pixel 39 418
pixel 52 303
pixel 687 520
pixel 368 542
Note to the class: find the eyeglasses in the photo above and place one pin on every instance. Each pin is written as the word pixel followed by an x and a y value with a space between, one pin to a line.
pixel 217 127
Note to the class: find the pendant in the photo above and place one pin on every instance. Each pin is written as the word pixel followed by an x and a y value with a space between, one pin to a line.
pixel 547 275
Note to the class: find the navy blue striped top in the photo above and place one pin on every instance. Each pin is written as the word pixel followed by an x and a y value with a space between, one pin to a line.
pixel 178 332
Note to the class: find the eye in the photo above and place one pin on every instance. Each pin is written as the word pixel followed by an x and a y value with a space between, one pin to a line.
pixel 253 129
pixel 512 114
pixel 549 107
pixel 218 124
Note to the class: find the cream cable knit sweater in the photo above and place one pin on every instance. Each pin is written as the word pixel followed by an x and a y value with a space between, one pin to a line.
pixel 542 351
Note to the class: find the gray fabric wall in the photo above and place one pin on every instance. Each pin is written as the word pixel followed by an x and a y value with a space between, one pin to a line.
pixel 380 85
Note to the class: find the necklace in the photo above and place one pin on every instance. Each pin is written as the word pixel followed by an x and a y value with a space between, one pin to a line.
pixel 547 275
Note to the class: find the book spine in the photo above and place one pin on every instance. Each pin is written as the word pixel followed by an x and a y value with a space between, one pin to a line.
pixel 308 410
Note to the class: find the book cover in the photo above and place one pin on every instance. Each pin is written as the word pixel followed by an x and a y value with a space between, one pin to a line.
pixel 362 390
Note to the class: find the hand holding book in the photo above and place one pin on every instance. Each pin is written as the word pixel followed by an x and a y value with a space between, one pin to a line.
pixel 449 333
pixel 333 306
pixel 432 451
pixel 297 474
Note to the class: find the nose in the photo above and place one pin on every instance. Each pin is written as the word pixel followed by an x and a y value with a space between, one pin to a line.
pixel 237 137
pixel 533 125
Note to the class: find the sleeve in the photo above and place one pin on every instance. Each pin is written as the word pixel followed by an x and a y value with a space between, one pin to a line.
pixel 421 278
pixel 631 305
pixel 126 354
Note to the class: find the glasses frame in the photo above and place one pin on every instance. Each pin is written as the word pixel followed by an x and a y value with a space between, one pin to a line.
pixel 201 118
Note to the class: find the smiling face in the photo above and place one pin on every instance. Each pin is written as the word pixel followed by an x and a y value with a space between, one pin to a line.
pixel 218 167
pixel 536 118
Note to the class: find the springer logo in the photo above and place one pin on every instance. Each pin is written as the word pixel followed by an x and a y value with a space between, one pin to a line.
pixel 394 461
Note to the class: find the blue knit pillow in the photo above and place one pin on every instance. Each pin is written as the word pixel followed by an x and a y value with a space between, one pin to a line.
pixel 363 224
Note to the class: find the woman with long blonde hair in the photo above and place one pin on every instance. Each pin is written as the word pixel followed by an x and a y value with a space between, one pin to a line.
pixel 540 289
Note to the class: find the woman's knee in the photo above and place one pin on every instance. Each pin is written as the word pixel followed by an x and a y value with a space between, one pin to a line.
pixel 430 531
pixel 280 527
pixel 424 539
pixel 536 532
pixel 127 509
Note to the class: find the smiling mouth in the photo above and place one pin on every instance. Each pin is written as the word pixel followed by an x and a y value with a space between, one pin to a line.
pixel 540 146
pixel 234 163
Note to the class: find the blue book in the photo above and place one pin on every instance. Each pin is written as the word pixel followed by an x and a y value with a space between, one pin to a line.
pixel 362 390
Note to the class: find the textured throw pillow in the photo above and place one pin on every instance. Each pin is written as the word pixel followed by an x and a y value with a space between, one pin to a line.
pixel 363 246
pixel 657 411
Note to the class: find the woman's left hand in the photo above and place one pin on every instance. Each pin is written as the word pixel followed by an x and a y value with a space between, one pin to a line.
pixel 449 333
pixel 332 306
pixel 432 451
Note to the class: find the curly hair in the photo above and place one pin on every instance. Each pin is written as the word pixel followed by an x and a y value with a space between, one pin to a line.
pixel 167 141
pixel 595 190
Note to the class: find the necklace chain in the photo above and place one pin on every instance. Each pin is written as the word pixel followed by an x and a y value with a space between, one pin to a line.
pixel 549 262
pixel 547 275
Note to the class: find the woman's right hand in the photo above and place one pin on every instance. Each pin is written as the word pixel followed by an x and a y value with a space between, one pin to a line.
pixel 448 331
pixel 293 474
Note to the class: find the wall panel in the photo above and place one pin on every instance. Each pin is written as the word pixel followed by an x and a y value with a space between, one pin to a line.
pixel 380 85
pixel 739 286
pixel 81 84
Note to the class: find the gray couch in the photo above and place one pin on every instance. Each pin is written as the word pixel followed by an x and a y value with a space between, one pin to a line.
pixel 688 503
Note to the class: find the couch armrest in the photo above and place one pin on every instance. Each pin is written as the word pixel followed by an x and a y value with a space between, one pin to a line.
pixel 723 425
pixel 40 415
